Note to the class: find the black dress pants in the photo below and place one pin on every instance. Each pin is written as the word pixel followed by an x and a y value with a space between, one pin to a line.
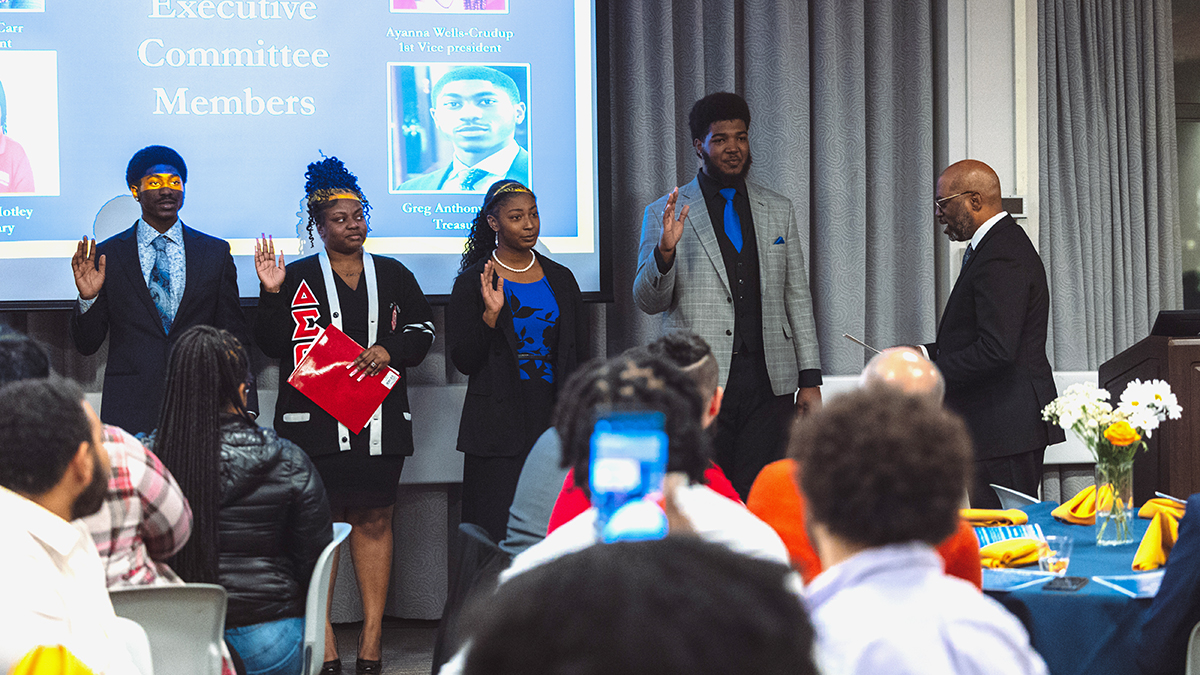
pixel 751 430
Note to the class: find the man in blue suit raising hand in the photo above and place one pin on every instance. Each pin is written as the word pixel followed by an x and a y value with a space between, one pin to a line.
pixel 147 285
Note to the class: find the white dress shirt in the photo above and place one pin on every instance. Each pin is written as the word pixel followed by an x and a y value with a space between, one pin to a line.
pixel 53 587
pixel 892 610
pixel 716 518
pixel 496 165
pixel 982 230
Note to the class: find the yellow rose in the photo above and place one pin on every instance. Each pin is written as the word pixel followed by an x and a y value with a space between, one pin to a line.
pixel 1121 434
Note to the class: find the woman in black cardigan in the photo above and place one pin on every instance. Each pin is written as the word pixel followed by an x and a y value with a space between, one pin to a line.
pixel 515 325
pixel 376 301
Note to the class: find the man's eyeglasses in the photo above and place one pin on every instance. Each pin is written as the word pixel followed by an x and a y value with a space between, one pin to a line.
pixel 938 204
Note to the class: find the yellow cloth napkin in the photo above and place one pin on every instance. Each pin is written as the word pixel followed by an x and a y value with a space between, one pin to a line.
pixel 992 517
pixel 54 660
pixel 1081 509
pixel 1157 505
pixel 1156 543
pixel 1010 553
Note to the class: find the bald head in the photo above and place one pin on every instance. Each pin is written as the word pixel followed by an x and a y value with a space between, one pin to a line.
pixel 968 195
pixel 904 369
pixel 975 176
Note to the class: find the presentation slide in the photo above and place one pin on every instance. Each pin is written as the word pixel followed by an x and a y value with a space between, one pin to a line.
pixel 426 101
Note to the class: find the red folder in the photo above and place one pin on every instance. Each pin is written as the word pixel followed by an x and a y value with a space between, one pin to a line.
pixel 325 377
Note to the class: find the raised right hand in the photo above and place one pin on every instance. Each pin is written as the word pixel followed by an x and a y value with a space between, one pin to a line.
pixel 493 298
pixel 672 229
pixel 270 269
pixel 89 278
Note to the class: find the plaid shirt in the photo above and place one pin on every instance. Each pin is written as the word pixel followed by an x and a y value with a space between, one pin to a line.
pixel 144 520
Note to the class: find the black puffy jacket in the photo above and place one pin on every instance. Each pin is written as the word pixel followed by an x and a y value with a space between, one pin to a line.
pixel 274 523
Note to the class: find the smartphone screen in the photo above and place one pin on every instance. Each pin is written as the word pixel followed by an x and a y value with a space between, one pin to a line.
pixel 625 474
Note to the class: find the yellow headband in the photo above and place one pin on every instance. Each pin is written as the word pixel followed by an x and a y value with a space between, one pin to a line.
pixel 511 187
pixel 332 194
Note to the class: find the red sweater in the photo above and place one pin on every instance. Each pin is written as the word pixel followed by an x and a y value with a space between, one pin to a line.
pixel 572 501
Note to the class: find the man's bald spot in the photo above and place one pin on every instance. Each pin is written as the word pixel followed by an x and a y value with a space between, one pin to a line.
pixel 904 369
pixel 974 176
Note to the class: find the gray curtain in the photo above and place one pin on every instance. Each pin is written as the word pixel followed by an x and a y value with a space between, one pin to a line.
pixel 841 96
pixel 1108 172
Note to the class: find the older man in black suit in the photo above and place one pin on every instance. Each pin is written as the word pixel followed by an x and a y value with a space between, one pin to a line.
pixel 165 278
pixel 991 343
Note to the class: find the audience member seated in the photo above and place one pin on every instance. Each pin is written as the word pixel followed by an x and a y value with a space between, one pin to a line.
pixel 884 473
pixel 261 515
pixel 649 383
pixel 53 470
pixel 692 355
pixel 776 499
pixel 145 518
pixel 1176 609
pixel 674 606
pixel 540 483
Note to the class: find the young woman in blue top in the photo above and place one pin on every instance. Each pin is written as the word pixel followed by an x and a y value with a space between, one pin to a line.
pixel 515 326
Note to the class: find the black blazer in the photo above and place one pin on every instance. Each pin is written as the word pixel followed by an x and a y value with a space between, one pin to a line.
pixel 991 346
pixel 138 347
pixel 405 331
pixel 492 412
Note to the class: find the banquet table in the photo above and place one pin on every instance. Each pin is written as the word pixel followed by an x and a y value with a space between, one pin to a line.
pixel 1092 630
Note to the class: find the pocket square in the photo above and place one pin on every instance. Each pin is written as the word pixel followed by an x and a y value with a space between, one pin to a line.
pixel 779 240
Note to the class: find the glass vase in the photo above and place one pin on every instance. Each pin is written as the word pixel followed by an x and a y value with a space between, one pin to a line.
pixel 1114 516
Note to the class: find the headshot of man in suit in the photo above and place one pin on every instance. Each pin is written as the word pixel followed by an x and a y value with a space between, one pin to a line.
pixel 147 285
pixel 478 109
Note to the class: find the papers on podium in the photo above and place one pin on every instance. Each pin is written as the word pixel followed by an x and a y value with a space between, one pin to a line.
pixel 325 377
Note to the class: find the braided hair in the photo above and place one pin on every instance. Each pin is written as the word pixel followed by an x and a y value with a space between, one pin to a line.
pixel 640 382
pixel 324 179
pixel 205 369
pixel 482 240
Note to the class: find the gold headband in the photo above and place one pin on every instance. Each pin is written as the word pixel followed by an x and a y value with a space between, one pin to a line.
pixel 511 187
pixel 332 194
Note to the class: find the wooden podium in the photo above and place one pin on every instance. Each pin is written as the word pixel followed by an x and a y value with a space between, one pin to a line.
pixel 1171 462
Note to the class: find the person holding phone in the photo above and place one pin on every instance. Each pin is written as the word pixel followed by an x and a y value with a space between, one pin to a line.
pixel 515 327
pixel 378 303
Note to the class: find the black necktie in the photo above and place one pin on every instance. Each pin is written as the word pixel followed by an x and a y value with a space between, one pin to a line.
pixel 966 256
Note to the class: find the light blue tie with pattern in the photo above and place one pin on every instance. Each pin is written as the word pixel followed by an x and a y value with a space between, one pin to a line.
pixel 733 224
pixel 160 283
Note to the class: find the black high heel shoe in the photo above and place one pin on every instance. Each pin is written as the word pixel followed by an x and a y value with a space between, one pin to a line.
pixel 366 667
pixel 333 667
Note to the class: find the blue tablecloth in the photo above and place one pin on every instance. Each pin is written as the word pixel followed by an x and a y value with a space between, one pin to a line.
pixel 1092 630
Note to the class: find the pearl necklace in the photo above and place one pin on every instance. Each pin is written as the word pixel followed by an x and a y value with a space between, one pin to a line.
pixel 533 259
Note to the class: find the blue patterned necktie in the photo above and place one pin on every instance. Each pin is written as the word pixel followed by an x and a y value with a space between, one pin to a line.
pixel 472 178
pixel 160 283
pixel 966 256
pixel 733 224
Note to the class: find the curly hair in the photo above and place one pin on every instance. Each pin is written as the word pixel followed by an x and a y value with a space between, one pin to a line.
pixel 482 240
pixel 42 423
pixel 879 466
pixel 149 156
pixel 642 382
pixel 204 371
pixel 676 605
pixel 323 179
pixel 716 107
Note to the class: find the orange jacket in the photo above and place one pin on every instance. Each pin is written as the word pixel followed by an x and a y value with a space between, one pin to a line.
pixel 775 499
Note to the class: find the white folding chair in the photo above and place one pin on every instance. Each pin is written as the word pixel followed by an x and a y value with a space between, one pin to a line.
pixel 1193 652
pixel 185 624
pixel 317 601
pixel 1011 499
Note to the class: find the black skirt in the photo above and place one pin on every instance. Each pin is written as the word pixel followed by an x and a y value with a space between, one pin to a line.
pixel 354 479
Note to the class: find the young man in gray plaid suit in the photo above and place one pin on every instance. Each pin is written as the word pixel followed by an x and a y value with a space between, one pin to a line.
pixel 728 265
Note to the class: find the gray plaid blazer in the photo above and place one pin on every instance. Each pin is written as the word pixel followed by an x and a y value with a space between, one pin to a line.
pixel 695 293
